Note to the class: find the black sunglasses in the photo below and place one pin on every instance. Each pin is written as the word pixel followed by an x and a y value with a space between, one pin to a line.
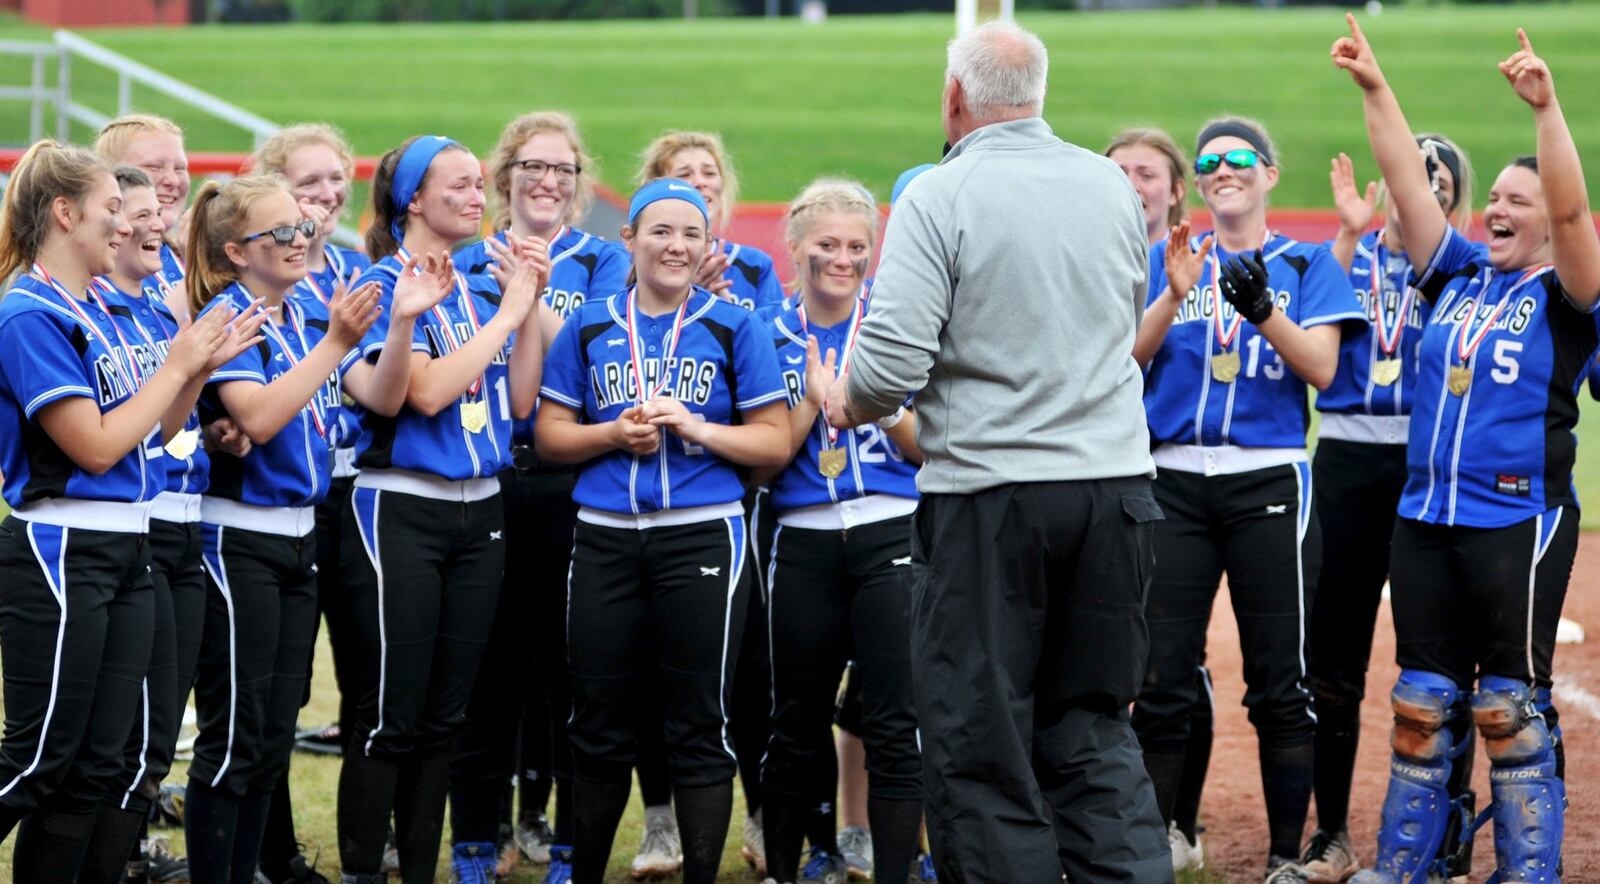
pixel 1238 158
pixel 285 234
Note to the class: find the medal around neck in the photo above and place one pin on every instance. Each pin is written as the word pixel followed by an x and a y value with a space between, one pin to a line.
pixel 1459 380
pixel 1385 372
pixel 183 445
pixel 831 462
pixel 1225 367
pixel 474 416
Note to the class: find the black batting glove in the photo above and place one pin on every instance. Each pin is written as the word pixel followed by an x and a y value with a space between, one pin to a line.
pixel 1244 284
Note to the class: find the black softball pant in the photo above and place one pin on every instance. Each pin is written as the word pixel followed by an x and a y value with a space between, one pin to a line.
pixel 1482 601
pixel 76 624
pixel 423 576
pixel 522 682
pixel 179 607
pixel 1358 487
pixel 838 596
pixel 1027 645
pixel 261 620
pixel 1260 528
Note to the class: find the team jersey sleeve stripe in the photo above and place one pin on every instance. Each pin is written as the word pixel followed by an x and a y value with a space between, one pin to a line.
pixel 774 396
pixel 238 375
pixel 562 398
pixel 1353 315
pixel 49 396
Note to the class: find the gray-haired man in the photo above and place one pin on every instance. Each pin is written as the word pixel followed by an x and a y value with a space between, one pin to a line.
pixel 1012 282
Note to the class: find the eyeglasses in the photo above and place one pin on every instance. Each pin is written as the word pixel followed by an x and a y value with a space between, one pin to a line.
pixel 1238 158
pixel 538 168
pixel 285 234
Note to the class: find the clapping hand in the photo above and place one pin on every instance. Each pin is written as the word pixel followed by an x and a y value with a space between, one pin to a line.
pixel 1184 264
pixel 1244 284
pixel 1355 209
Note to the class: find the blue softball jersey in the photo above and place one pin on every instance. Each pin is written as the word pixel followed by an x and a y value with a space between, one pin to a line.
pixel 722 363
pixel 755 282
pixel 1492 435
pixel 581 265
pixel 875 465
pixel 442 445
pixel 52 350
pixel 319 286
pixel 157 327
pixel 1358 386
pixel 1266 405
pixel 293 468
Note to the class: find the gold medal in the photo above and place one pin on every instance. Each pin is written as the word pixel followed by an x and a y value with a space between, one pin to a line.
pixel 1460 380
pixel 831 462
pixel 1225 367
pixel 474 416
pixel 183 444
pixel 1385 372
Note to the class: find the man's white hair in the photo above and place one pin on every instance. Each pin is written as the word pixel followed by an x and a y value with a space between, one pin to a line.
pixel 1001 68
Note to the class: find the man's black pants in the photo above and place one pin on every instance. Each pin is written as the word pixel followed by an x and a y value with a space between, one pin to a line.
pixel 1028 644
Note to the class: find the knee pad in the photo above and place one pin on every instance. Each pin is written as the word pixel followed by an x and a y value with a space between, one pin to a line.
pixel 1417 809
pixel 1529 799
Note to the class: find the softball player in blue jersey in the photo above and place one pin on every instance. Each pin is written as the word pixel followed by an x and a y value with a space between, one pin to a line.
pixel 91 404
pixel 154 145
pixel 542 179
pixel 740 273
pixel 839 579
pixel 318 165
pixel 424 547
pixel 662 392
pixel 1487 532
pixel 247 241
pixel 1238 324
pixel 174 540
pixel 1358 472
pixel 1156 166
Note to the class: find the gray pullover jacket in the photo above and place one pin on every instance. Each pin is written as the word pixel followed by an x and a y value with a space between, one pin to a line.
pixel 1012 281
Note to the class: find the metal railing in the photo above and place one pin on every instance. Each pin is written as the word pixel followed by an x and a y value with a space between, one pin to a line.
pixel 68 49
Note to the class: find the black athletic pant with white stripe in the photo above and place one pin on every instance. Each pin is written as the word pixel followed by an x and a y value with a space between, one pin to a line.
pixel 179 583
pixel 261 621
pixel 424 578
pixel 76 619
pixel 1358 487
pixel 837 596
pixel 1482 601
pixel 1027 645
pixel 522 681
pixel 1260 528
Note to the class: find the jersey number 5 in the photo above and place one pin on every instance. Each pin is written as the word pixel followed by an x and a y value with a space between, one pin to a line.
pixel 1506 368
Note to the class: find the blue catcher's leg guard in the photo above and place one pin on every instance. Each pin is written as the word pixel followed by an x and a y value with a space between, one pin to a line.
pixel 1529 800
pixel 1417 808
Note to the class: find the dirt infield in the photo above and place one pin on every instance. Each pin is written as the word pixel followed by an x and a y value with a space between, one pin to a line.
pixel 1236 829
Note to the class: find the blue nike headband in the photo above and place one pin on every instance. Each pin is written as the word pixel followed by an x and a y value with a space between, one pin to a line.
pixel 408 174
pixel 666 189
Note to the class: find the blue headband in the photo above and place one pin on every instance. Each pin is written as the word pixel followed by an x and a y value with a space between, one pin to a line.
pixel 666 189
pixel 408 175
pixel 904 179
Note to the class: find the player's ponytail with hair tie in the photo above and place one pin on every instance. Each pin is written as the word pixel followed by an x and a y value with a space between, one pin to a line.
pixel 46 171
pixel 203 279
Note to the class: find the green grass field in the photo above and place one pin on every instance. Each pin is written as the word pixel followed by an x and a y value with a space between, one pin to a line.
pixel 859 95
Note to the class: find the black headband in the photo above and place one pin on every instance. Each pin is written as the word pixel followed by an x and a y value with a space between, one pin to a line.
pixel 1237 130
pixel 1433 149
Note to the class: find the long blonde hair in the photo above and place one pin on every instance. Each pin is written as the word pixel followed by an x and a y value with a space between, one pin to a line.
pixel 516 134
pixel 218 218
pixel 46 171
pixel 657 161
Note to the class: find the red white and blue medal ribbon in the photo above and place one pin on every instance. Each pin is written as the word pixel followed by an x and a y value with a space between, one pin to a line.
pixel 1388 338
pixel 843 368
pixel 467 309
pixel 125 363
pixel 1468 340
pixel 293 318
